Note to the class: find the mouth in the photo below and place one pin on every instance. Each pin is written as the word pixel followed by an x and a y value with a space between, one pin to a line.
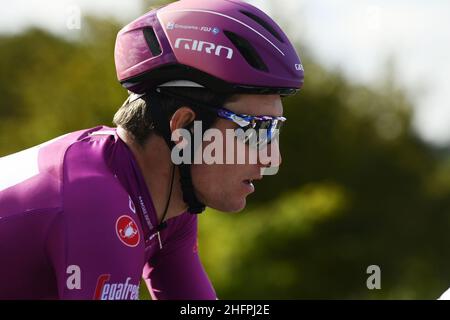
pixel 248 181
pixel 249 184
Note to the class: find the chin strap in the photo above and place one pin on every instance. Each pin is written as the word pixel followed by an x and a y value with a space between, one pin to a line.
pixel 162 125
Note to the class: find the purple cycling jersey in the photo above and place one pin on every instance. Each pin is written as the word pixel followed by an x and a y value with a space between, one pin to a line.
pixel 77 222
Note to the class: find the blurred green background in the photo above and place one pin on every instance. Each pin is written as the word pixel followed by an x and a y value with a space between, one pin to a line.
pixel 357 186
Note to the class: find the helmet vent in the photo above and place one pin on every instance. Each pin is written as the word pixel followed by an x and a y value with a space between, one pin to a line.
pixel 263 24
pixel 247 51
pixel 152 41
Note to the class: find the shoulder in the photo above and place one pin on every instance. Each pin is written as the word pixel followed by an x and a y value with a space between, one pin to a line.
pixel 88 156
pixel 87 172
pixel 93 196
pixel 32 179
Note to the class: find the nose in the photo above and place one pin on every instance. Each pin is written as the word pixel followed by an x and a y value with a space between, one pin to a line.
pixel 271 155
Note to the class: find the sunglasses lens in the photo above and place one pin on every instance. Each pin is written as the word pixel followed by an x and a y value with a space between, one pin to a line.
pixel 263 124
pixel 260 134
pixel 247 135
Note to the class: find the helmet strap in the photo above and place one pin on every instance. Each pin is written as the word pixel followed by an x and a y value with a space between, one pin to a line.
pixel 161 123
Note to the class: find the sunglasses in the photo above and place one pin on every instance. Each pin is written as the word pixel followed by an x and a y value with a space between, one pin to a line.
pixel 256 131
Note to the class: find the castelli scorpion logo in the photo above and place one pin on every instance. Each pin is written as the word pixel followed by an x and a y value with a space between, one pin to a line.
pixel 127 231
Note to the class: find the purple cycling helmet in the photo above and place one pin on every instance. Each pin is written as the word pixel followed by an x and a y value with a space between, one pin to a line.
pixel 227 46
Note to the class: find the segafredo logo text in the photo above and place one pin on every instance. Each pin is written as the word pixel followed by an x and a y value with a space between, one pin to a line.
pixel 204 46
pixel 115 291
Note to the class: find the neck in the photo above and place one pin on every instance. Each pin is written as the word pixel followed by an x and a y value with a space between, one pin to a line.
pixel 156 165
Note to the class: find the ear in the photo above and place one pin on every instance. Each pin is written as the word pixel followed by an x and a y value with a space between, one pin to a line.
pixel 182 118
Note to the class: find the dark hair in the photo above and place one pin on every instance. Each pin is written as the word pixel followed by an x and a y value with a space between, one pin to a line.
pixel 135 116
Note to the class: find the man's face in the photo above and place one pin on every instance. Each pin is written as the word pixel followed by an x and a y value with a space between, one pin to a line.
pixel 225 186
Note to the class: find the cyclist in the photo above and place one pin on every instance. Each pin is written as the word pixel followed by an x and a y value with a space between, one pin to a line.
pixel 88 214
